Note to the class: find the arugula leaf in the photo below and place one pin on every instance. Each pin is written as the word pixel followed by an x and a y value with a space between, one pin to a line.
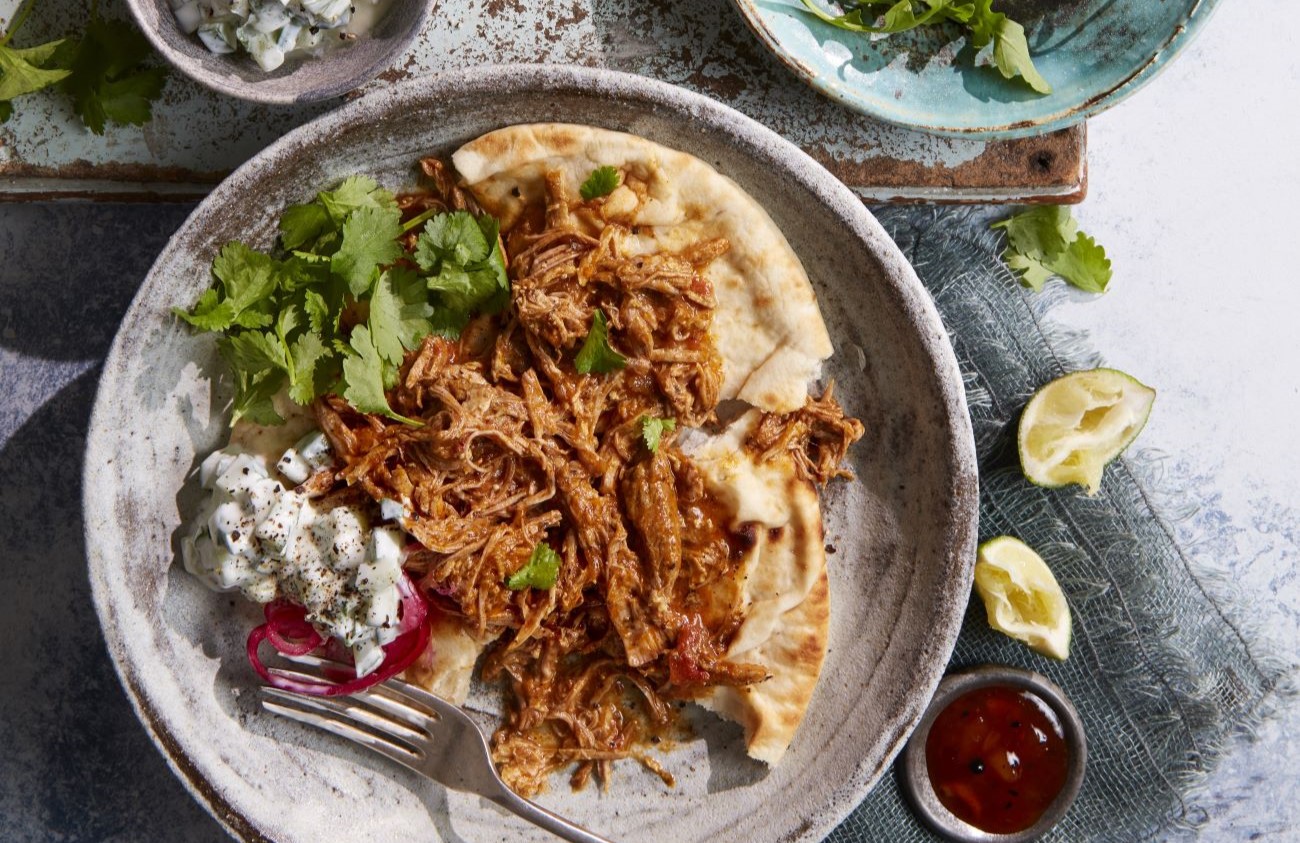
pixel 369 241
pixel 1010 46
pixel 653 429
pixel 363 377
pixel 541 570
pixel 596 355
pixel 601 182
pixel 1045 241
pixel 108 80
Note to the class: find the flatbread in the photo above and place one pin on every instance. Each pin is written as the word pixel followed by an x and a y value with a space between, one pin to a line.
pixel 770 334
pixel 767 327
pixel 784 600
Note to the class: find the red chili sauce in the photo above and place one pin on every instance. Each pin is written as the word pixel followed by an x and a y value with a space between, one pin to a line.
pixel 997 758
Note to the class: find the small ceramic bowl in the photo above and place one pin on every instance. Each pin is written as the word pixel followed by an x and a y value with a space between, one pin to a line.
pixel 331 74
pixel 914 774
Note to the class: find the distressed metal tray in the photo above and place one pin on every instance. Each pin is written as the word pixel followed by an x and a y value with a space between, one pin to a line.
pixel 197 136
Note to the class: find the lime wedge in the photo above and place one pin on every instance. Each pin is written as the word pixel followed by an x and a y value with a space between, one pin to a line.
pixel 1022 597
pixel 1075 425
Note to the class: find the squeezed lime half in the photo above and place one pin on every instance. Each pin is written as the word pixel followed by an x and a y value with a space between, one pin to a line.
pixel 1022 597
pixel 1074 426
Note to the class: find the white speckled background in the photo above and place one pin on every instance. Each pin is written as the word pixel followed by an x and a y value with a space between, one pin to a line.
pixel 1193 182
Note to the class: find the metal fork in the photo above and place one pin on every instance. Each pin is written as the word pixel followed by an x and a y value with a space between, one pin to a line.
pixel 429 735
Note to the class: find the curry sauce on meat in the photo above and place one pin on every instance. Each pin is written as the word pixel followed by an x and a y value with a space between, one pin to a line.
pixel 517 448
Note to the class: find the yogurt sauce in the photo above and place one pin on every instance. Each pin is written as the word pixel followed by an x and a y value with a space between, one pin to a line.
pixel 270 542
pixel 272 30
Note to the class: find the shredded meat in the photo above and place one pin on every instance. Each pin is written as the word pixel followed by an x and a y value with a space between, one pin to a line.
pixel 817 436
pixel 516 448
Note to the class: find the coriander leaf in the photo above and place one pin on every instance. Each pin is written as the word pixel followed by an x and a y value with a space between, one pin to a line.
pixel 254 400
pixel 541 570
pixel 246 278
pixel 454 237
pixel 21 71
pixel 255 352
pixel 399 314
pixel 596 355
pixel 257 377
pixel 363 377
pixel 304 224
pixel 6 110
pixel 355 193
pixel 307 352
pixel 1032 272
pixel 1039 231
pixel 1084 264
pixel 107 80
pixel 653 429
pixel 491 228
pixel 317 310
pixel 601 182
pixel 1046 241
pixel 369 241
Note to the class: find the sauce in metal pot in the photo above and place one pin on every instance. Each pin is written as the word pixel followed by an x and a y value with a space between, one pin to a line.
pixel 997 758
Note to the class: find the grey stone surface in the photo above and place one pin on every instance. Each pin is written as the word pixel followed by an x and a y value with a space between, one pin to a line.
pixel 76 764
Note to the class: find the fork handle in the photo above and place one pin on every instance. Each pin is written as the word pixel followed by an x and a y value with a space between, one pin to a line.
pixel 539 816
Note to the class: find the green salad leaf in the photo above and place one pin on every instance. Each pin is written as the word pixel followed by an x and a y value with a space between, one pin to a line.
pixel 541 570
pixel 1045 241
pixel 1010 54
pixel 596 355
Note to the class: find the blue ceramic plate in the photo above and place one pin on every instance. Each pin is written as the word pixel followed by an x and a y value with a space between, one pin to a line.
pixel 1093 52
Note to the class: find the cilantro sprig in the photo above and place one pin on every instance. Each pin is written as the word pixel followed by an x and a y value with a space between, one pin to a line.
pixel 336 308
pixel 653 430
pixel 103 71
pixel 601 182
pixel 1045 241
pixel 1010 48
pixel 596 355
pixel 541 570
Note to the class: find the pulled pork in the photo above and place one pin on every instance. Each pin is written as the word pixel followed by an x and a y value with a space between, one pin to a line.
pixel 517 448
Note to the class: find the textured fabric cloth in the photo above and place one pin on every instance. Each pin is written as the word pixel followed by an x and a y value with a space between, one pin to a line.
pixel 1161 676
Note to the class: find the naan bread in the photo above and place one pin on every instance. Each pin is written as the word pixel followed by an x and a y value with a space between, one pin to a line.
pixel 785 601
pixel 767 326
pixel 772 340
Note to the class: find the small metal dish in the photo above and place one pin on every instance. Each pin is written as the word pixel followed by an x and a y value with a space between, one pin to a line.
pixel 300 80
pixel 914 774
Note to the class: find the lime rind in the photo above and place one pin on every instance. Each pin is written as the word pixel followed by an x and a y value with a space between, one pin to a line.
pixel 1073 427
pixel 1022 597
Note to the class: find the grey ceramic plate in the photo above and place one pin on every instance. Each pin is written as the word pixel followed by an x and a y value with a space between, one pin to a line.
pixel 902 535
pixel 332 74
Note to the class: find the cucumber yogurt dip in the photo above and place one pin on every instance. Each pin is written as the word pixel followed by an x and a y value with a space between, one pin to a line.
pixel 272 30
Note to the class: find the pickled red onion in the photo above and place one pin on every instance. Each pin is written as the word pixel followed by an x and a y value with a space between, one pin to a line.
pixel 289 632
